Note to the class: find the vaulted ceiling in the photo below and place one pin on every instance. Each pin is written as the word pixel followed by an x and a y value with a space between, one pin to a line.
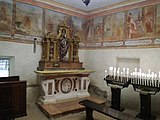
pixel 95 4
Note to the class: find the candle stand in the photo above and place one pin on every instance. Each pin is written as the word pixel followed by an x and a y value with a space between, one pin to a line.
pixel 116 83
pixel 145 92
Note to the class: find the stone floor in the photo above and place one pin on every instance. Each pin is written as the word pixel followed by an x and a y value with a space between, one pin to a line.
pixel 34 113
pixel 65 107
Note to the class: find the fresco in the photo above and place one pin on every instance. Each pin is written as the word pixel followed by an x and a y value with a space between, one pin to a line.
pixel 79 28
pixel 158 21
pixel 134 23
pixel 89 29
pixel 109 27
pixel 52 20
pixel 98 28
pixel 76 25
pixel 149 20
pixel 28 20
pixel 6 15
pixel 119 31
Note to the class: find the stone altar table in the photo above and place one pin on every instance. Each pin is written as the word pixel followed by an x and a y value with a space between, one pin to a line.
pixel 57 85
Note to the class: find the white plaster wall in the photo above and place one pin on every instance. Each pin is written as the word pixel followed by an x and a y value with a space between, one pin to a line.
pixel 25 61
pixel 100 60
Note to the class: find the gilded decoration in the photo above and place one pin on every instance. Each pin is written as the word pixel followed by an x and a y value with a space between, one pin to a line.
pixel 60 50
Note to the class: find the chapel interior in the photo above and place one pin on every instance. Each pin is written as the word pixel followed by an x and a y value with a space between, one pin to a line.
pixel 79 59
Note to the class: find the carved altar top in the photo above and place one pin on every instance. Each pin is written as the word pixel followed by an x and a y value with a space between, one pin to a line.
pixel 61 72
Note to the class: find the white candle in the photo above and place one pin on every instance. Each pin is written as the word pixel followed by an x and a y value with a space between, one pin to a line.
pixel 111 71
pixel 123 72
pixel 145 79
pixel 121 76
pixel 127 73
pixel 105 73
pixel 155 79
pixel 135 72
pixel 140 74
pixel 152 75
pixel 148 77
pixel 118 74
pixel 114 73
pixel 131 77
pixel 149 71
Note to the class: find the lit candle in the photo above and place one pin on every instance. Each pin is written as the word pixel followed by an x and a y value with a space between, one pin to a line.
pixel 105 73
pixel 111 71
pixel 148 78
pixel 127 73
pixel 140 75
pixel 135 72
pixel 155 79
pixel 118 74
pixel 152 75
pixel 145 79
pixel 131 78
pixel 114 73
pixel 123 72
pixel 149 72
pixel 121 76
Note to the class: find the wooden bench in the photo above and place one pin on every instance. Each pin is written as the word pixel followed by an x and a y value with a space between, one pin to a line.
pixel 92 106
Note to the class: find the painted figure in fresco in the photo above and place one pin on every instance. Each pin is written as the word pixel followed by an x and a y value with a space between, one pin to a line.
pixel 98 31
pixel 64 45
pixel 89 28
pixel 149 27
pixel 49 25
pixel 132 29
pixel 27 22
pixel 3 13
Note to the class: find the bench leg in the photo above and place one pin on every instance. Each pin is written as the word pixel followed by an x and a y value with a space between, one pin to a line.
pixel 89 113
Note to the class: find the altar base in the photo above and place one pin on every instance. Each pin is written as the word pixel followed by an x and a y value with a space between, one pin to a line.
pixel 60 85
pixel 56 110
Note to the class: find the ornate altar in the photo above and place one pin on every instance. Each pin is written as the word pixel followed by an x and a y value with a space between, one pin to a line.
pixel 60 51
pixel 61 73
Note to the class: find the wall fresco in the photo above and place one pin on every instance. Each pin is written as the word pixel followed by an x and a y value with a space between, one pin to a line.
pixel 6 7
pixel 52 20
pixel 89 30
pixel 119 31
pixel 116 27
pixel 109 27
pixel 79 28
pixel 98 29
pixel 134 23
pixel 158 21
pixel 28 19
pixel 149 13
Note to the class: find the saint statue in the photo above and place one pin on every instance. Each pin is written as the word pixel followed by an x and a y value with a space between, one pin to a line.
pixel 64 45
